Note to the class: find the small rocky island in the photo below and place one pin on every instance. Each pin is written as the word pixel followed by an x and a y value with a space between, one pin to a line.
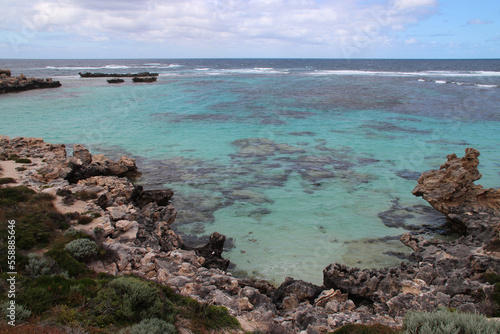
pixel 134 224
pixel 144 79
pixel 10 84
pixel 117 75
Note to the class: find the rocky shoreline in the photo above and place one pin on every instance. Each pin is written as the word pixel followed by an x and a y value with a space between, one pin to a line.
pixel 134 224
pixel 10 84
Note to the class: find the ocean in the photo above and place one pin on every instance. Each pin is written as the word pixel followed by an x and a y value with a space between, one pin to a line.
pixel 299 162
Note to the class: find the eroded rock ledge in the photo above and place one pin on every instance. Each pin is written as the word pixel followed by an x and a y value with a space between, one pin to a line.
pixel 451 274
pixel 135 225
pixel 9 84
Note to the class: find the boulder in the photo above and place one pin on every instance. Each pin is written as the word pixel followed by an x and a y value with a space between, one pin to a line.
pixel 299 290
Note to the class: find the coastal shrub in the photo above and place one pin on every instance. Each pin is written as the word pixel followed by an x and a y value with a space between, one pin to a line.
pixel 21 169
pixel 92 214
pixel 206 315
pixel 13 157
pixel 85 195
pixel 45 292
pixel 63 192
pixel 23 161
pixel 128 300
pixel 22 313
pixel 38 265
pixel 150 326
pixel 364 329
pixel 443 321
pixel 66 262
pixel 84 220
pixel 60 220
pixel 33 214
pixel 82 249
pixel 6 180
pixel 66 315
pixel 74 234
pixel 36 299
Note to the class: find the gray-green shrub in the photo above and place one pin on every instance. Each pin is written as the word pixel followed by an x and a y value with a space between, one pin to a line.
pixel 82 249
pixel 443 321
pixel 38 265
pixel 140 299
pixel 128 299
pixel 150 326
pixel 22 313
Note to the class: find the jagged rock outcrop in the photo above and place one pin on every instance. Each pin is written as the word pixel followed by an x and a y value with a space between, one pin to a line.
pixel 450 274
pixel 9 84
pixel 212 252
pixel 83 165
pixel 451 189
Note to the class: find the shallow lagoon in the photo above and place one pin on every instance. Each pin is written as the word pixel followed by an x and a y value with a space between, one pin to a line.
pixel 299 166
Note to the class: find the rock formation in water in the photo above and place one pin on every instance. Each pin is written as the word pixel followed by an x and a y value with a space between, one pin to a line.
pixel 134 225
pixel 144 79
pixel 451 274
pixel 116 75
pixel 451 189
pixel 9 84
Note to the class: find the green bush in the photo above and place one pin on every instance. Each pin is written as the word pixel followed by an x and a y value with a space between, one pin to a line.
pixel 45 292
pixel 13 157
pixel 37 299
pixel 84 220
pixel 208 315
pixel 23 161
pixel 6 180
pixel 150 326
pixel 445 322
pixel 66 262
pixel 364 329
pixel 38 265
pixel 82 249
pixel 34 214
pixel 127 299
pixel 140 298
pixel 21 312
pixel 74 233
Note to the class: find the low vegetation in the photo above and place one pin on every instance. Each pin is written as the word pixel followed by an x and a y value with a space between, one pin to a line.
pixel 58 294
pixel 444 321
pixel 365 329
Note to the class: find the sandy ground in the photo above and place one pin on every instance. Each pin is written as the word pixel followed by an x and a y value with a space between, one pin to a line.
pixel 8 169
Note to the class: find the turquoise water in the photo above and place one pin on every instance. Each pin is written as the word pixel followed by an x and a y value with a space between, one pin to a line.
pixel 299 163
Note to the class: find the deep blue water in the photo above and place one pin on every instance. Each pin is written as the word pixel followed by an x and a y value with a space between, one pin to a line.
pixel 301 162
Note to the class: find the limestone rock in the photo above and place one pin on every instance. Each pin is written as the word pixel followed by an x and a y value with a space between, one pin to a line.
pixel 82 153
pixel 452 186
pixel 327 296
pixel 303 291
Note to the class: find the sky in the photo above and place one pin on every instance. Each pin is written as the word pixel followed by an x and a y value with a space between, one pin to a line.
pixel 249 29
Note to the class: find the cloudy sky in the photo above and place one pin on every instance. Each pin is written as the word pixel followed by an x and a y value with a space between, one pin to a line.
pixel 249 28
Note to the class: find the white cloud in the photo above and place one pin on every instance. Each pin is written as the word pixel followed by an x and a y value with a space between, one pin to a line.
pixel 478 22
pixel 412 4
pixel 411 41
pixel 331 23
